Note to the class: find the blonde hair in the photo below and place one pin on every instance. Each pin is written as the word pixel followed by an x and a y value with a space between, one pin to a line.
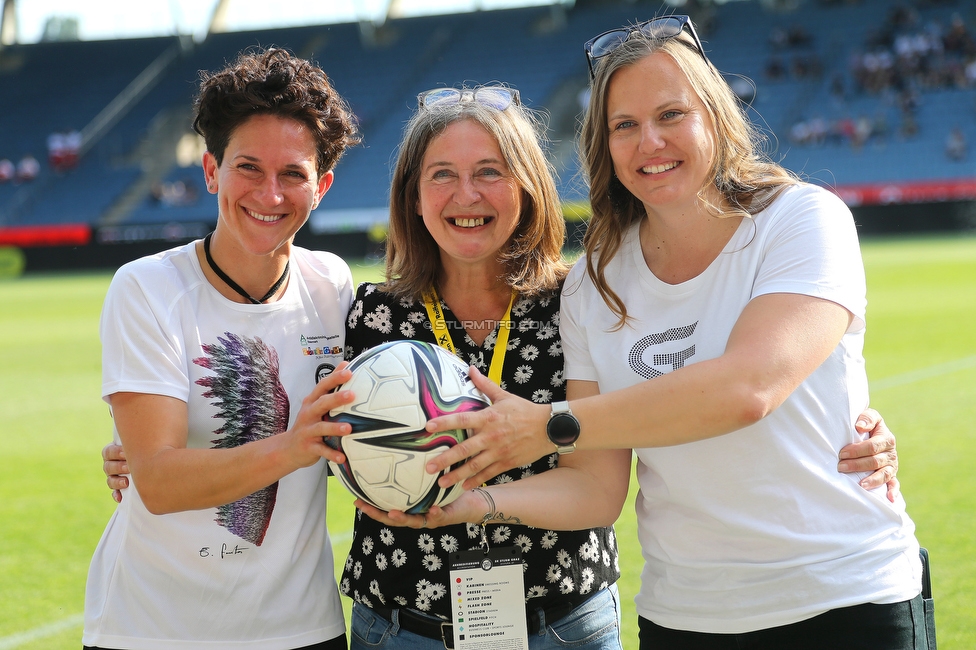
pixel 533 259
pixel 742 172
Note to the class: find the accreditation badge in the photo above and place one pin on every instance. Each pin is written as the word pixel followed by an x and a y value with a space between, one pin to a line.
pixel 488 600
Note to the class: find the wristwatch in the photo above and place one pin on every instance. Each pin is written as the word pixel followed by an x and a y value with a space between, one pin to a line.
pixel 563 429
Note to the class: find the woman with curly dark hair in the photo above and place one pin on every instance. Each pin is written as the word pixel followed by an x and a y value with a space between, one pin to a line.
pixel 211 356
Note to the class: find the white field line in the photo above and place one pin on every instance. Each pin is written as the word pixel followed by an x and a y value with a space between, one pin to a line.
pixel 17 640
pixel 924 373
pixel 340 540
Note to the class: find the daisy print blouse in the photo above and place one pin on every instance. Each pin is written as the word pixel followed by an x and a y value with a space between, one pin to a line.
pixel 393 567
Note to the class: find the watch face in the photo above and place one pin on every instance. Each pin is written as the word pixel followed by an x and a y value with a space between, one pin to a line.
pixel 563 429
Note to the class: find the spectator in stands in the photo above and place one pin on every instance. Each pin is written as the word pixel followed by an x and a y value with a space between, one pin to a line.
pixel 63 148
pixel 955 146
pixel 855 132
pixel 970 73
pixel 242 557
pixel 798 36
pixel 743 87
pixel 28 168
pixel 171 194
pixel 775 68
pixel 72 148
pixel 55 150
pixel 807 66
pixel 909 124
pixel 958 40
pixel 818 130
pixel 693 227
pixel 800 132
pixel 7 170
pixel 156 193
pixel 879 126
pixel 837 88
pixel 873 71
pixel 778 38
pixel 842 131
pixel 901 16
pixel 908 101
pixel 863 128
pixel 905 55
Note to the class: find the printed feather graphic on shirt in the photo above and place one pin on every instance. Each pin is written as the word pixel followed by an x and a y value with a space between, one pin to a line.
pixel 250 399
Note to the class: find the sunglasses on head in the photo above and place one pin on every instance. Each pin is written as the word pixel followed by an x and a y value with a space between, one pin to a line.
pixel 661 29
pixel 496 97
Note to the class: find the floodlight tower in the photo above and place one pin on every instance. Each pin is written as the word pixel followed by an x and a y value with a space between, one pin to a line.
pixel 218 19
pixel 8 23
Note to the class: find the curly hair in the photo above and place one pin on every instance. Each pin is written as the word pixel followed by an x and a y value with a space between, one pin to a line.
pixel 274 82
pixel 533 258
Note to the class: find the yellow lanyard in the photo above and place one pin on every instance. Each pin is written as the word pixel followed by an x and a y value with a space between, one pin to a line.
pixel 443 335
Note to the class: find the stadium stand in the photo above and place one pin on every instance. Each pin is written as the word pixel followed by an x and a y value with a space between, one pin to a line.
pixel 805 67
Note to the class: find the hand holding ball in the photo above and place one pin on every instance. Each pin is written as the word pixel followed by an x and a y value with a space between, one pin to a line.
pixel 398 387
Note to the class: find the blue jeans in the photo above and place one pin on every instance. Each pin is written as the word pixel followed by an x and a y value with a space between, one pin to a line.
pixel 594 625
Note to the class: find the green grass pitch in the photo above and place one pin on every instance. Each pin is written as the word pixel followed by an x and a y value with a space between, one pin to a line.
pixel 921 359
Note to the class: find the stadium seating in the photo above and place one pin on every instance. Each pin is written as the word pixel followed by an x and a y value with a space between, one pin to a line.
pixel 381 68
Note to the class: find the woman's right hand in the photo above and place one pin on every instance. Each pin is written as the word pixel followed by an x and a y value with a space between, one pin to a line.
pixel 116 469
pixel 304 442
pixel 469 507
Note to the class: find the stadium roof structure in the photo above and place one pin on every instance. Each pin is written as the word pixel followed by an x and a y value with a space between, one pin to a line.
pixel 134 131
pixel 220 16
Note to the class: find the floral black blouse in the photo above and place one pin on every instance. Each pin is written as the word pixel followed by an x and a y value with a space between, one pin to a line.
pixel 402 567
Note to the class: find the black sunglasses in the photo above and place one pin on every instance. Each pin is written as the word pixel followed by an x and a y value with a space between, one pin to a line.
pixel 661 29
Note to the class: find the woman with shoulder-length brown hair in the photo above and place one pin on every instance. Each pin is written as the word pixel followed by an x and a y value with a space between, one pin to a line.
pixel 474 264
pixel 532 258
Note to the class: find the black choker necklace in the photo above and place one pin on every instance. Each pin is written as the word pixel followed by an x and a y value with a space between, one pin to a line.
pixel 233 285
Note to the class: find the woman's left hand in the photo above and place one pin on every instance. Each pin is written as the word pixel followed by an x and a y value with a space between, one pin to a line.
pixel 391 518
pixel 467 507
pixel 877 454
pixel 116 469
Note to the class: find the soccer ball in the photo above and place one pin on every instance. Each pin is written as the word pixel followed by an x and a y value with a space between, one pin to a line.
pixel 398 387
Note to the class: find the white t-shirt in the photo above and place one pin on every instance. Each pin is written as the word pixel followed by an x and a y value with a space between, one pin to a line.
pixel 257 573
pixel 756 528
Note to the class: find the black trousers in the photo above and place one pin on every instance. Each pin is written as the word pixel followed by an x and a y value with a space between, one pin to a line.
pixel 900 626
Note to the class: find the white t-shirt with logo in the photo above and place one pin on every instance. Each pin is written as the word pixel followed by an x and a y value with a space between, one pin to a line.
pixel 756 528
pixel 257 573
